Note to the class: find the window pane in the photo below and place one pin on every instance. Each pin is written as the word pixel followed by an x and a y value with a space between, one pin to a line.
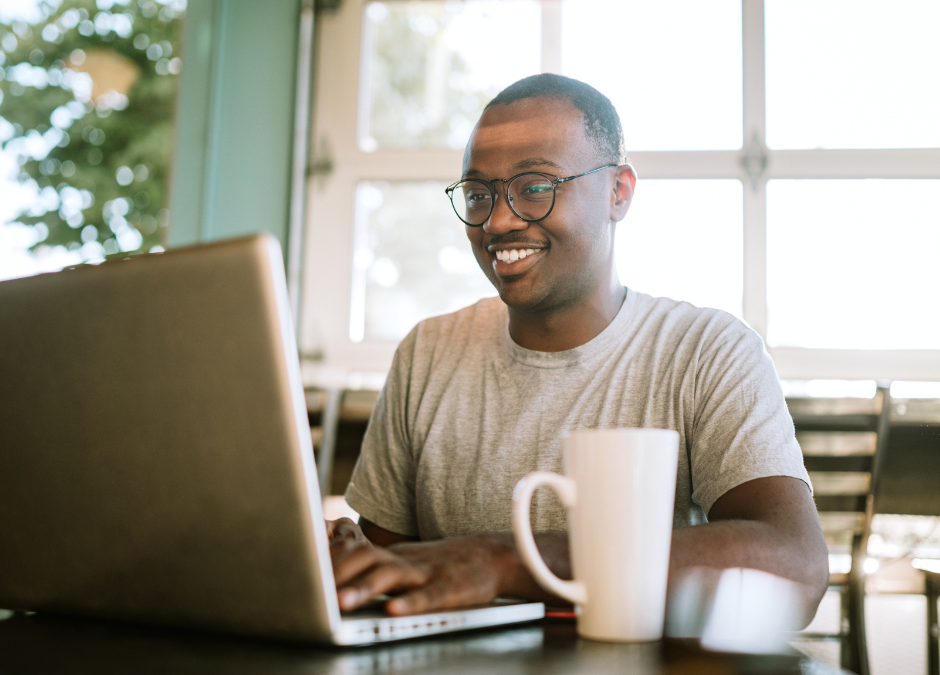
pixel 851 264
pixel 684 239
pixel 86 103
pixel 411 259
pixel 673 69
pixel 430 67
pixel 852 73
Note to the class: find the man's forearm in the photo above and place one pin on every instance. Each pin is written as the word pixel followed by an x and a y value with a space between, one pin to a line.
pixel 754 545
pixel 742 543
pixel 720 545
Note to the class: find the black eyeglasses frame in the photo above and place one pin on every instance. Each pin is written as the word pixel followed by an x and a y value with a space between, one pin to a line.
pixel 554 180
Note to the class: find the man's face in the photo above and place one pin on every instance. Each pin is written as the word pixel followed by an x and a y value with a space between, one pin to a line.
pixel 572 249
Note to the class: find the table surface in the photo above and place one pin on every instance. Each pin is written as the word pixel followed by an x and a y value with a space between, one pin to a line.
pixel 49 644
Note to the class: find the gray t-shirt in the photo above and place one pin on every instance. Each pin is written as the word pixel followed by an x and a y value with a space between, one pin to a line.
pixel 466 412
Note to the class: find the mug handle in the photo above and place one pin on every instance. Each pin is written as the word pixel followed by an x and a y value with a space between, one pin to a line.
pixel 564 487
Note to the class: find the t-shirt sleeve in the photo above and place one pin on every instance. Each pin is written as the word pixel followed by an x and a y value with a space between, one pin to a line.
pixel 742 429
pixel 382 488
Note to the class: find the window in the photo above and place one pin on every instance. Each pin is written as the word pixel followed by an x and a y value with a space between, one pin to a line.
pixel 852 264
pixel 658 62
pixel 411 259
pixel 682 239
pixel 86 99
pixel 426 73
pixel 788 173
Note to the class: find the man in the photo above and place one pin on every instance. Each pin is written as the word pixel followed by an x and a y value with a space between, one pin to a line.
pixel 477 399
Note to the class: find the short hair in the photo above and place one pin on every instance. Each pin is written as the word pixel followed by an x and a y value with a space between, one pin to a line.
pixel 600 118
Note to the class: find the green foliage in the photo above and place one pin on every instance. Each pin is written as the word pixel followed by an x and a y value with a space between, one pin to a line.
pixel 81 180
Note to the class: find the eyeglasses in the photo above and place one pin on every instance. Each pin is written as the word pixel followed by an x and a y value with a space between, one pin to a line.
pixel 531 196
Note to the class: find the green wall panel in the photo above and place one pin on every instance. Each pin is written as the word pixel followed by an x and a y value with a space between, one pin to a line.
pixel 235 120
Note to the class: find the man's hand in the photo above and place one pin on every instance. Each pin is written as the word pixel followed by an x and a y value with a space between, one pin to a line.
pixel 767 524
pixel 437 575
pixel 433 575
pixel 344 531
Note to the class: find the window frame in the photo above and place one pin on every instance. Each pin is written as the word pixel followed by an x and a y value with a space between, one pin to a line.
pixel 341 77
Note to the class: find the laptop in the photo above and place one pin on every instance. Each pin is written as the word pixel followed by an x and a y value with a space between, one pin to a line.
pixel 155 456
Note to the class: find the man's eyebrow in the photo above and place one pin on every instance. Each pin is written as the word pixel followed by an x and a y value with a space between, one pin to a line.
pixel 535 162
pixel 532 163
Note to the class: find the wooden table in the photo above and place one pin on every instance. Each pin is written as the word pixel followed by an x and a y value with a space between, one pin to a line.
pixel 47 644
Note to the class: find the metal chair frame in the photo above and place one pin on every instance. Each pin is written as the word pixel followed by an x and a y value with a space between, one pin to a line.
pixel 932 591
pixel 852 634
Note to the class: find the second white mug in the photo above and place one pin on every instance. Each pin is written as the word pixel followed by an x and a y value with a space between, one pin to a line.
pixel 620 494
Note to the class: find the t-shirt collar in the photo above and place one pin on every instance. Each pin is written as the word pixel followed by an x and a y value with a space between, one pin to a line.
pixel 597 346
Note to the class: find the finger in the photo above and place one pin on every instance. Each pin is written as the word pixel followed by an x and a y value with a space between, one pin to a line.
pixel 344 528
pixel 330 528
pixel 340 543
pixel 341 551
pixel 344 524
pixel 351 559
pixel 438 594
pixel 388 577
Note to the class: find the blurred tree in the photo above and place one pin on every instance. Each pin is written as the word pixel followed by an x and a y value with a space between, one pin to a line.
pixel 421 90
pixel 86 101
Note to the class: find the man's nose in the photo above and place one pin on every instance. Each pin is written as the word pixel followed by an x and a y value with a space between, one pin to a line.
pixel 503 219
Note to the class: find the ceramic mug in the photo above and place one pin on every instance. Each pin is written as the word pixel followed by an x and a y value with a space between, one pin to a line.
pixel 620 494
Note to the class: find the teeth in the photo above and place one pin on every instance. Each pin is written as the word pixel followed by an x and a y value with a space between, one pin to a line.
pixel 514 254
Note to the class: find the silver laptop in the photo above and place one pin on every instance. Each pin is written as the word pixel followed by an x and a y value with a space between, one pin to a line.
pixel 155 454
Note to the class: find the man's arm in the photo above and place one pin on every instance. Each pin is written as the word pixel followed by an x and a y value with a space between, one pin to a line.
pixel 767 524
pixel 453 572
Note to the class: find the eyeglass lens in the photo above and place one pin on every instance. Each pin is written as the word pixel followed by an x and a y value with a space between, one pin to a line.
pixel 531 196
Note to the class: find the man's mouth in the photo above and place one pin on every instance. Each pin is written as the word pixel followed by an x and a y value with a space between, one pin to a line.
pixel 514 261
pixel 512 255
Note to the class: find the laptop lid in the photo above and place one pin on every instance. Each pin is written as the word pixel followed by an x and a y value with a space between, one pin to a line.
pixel 155 454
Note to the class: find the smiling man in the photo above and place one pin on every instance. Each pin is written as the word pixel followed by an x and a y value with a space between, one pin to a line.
pixel 477 399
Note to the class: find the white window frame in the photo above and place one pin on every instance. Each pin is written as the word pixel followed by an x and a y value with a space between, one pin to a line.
pixel 325 316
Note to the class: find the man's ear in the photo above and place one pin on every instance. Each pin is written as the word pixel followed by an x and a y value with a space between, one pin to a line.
pixel 623 192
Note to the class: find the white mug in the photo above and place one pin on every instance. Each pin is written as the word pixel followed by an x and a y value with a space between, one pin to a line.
pixel 620 495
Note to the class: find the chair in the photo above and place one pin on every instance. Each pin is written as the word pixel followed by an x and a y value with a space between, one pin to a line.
pixel 911 468
pixel 932 584
pixel 843 442
pixel 338 420
pixel 909 482
pixel 323 409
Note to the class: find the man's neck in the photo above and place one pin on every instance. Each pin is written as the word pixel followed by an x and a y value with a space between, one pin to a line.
pixel 567 327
